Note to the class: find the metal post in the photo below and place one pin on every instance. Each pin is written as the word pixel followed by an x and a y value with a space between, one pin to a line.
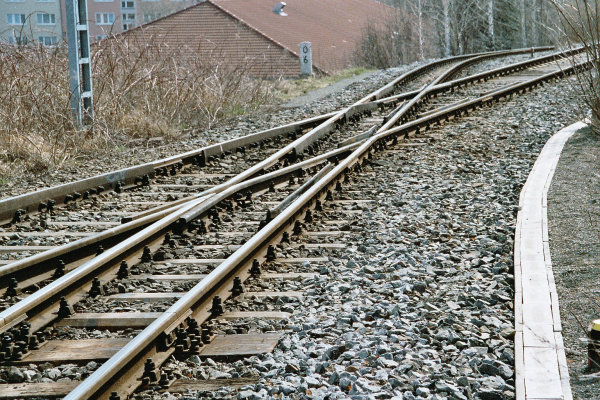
pixel 79 61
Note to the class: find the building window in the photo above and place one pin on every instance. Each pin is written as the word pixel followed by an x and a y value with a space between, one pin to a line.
pixel 47 40
pixel 150 0
pixel 103 1
pixel 18 40
pixel 44 1
pixel 15 19
pixel 151 17
pixel 46 19
pixel 105 18
pixel 128 21
pixel 127 4
pixel 14 1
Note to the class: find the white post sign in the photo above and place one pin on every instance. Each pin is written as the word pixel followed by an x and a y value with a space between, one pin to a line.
pixel 305 59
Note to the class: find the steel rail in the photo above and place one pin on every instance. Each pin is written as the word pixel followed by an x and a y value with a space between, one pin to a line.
pixel 515 67
pixel 390 87
pixel 298 145
pixel 104 237
pixel 63 286
pixel 29 202
pixel 98 384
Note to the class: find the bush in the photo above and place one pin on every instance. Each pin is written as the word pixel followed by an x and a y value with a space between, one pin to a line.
pixel 387 44
pixel 139 92
pixel 580 20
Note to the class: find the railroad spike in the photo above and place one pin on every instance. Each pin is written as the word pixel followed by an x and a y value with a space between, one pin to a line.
pixel 238 287
pixel 99 250
pixel 285 237
pixel 202 227
pixel 146 255
pixel 318 206
pixel 308 218
pixel 297 228
pixel 11 290
pixel 33 343
pixel 164 380
pixel 338 186
pixel 64 310
pixel 123 270
pixel 150 371
pixel 271 253
pixel 167 238
pixel 118 187
pixel 255 269
pixel 217 306
pixel 271 187
pixel 193 327
pixel 86 195
pixel 329 196
pixel 18 217
pixel 60 270
pixel 96 289
pixel 42 206
pixel 69 198
pixel 206 334
pixel 114 396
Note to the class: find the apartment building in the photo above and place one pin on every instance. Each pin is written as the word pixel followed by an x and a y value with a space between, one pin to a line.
pixel 43 21
pixel 24 21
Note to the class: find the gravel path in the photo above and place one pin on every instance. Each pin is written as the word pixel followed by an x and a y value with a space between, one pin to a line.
pixel 574 229
pixel 420 303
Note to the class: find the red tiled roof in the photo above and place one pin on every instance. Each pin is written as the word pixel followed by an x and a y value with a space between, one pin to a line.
pixel 247 31
pixel 210 31
pixel 332 26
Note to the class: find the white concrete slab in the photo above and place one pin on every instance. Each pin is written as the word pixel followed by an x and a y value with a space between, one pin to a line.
pixel 541 371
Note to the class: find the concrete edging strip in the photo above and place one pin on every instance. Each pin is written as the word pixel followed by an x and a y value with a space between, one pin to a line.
pixel 540 364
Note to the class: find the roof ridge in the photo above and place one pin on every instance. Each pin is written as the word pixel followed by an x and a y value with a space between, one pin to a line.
pixel 145 24
pixel 232 15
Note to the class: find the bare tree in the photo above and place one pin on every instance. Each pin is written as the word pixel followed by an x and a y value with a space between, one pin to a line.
pixel 581 22
pixel 491 22
pixel 523 30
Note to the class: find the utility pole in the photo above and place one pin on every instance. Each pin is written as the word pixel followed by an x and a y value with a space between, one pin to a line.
pixel 80 70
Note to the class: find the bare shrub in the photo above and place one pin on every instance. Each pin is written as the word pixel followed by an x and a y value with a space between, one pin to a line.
pixel 388 43
pixel 140 91
pixel 580 19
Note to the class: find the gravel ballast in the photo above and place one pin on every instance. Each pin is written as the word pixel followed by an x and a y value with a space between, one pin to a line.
pixel 326 100
pixel 574 232
pixel 420 304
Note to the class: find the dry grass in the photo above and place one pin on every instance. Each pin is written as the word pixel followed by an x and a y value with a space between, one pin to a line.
pixel 139 92
pixel 289 88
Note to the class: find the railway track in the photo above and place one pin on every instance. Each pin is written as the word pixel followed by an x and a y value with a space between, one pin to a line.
pixel 226 220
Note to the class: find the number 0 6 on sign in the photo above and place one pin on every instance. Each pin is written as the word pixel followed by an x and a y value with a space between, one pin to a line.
pixel 305 59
